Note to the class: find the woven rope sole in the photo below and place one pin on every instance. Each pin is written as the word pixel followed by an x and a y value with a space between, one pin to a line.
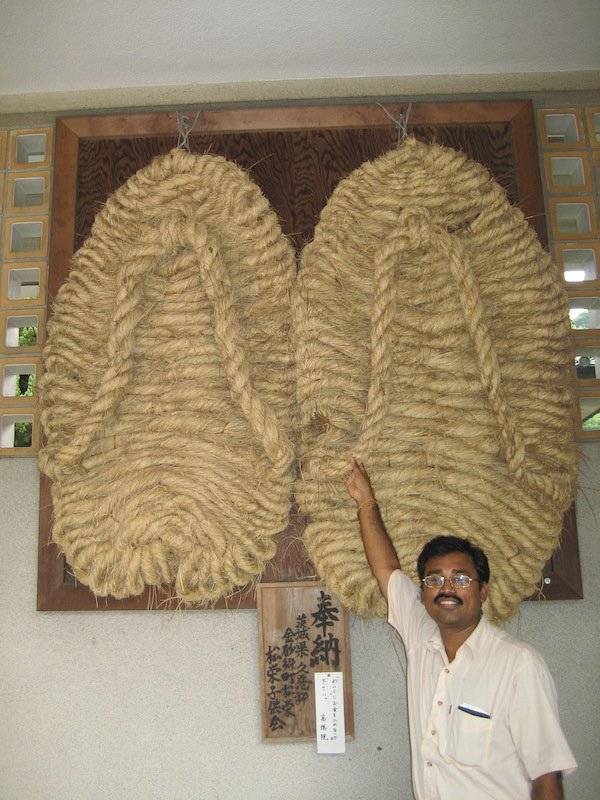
pixel 434 344
pixel 167 398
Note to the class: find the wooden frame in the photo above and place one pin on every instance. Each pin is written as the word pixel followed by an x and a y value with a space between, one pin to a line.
pixel 547 144
pixel 561 579
pixel 573 201
pixel 45 161
pixel 593 138
pixel 582 188
pixel 57 590
pixel 591 398
pixel 559 250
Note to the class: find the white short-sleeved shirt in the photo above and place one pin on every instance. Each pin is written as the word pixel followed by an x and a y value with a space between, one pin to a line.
pixel 484 725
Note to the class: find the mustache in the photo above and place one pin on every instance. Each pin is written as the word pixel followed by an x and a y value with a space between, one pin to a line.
pixel 448 597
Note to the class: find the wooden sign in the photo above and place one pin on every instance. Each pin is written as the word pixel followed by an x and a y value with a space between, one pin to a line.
pixel 302 630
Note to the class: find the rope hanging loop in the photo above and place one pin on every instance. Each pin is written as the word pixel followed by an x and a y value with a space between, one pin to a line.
pixel 185 125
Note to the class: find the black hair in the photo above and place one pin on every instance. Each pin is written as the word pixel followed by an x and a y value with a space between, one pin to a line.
pixel 443 545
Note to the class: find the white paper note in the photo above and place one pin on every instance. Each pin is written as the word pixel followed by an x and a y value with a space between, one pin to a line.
pixel 329 706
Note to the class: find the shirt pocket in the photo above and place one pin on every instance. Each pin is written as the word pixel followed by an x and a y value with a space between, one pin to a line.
pixel 468 738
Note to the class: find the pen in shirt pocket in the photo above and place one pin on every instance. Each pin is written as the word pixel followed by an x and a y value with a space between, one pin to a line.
pixel 476 712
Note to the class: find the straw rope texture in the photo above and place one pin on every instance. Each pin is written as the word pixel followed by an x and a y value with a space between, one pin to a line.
pixel 433 342
pixel 168 398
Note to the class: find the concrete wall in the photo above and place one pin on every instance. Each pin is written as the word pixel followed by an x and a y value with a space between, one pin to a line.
pixel 148 705
pixel 160 705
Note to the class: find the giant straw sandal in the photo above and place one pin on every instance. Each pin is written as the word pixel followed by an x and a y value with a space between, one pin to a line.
pixel 167 400
pixel 433 343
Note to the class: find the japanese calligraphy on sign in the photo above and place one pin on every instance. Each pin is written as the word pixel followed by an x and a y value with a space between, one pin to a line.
pixel 303 630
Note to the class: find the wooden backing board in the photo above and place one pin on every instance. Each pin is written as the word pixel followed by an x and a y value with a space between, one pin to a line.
pixel 296 155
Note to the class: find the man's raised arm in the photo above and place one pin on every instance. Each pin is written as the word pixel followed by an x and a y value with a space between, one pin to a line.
pixel 380 552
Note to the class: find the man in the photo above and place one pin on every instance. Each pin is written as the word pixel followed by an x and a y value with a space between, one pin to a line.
pixel 482 703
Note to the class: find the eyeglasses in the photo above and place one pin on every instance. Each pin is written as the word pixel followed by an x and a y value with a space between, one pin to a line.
pixel 456 581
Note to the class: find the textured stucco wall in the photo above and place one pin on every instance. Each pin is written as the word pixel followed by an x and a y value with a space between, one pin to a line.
pixel 143 705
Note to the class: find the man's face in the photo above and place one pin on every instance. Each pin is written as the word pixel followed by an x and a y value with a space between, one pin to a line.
pixel 451 608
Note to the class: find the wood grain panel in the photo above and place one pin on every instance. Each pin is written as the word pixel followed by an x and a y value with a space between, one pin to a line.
pixel 296 170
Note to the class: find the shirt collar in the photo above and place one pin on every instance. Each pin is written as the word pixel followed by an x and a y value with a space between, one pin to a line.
pixel 476 640
pixel 474 643
pixel 435 640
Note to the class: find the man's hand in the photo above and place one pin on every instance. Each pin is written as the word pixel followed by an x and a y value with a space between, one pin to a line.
pixel 358 483
pixel 547 787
